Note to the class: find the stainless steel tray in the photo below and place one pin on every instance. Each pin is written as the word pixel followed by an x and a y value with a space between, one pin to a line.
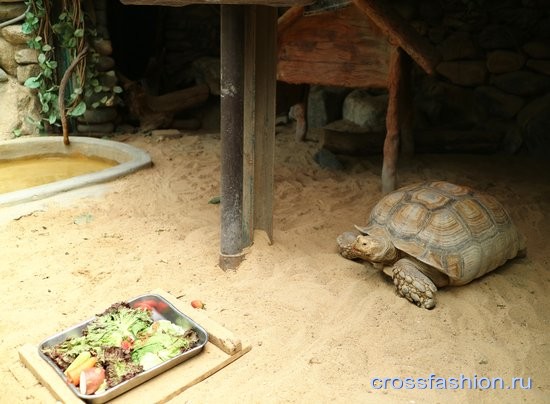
pixel 164 311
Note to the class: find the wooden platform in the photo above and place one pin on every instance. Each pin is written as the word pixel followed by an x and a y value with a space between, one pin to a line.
pixel 223 348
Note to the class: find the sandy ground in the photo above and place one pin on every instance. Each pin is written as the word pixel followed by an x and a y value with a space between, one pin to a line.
pixel 322 327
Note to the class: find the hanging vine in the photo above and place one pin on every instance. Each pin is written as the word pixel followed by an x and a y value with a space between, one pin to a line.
pixel 65 26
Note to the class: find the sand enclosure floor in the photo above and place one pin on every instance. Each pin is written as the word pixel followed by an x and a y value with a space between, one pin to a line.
pixel 322 327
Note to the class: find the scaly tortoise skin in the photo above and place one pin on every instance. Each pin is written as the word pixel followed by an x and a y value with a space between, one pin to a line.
pixel 433 235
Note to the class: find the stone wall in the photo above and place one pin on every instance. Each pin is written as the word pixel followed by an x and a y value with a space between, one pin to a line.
pixel 491 91
pixel 17 63
pixel 495 70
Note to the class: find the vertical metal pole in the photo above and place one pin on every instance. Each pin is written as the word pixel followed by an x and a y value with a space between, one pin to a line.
pixel 232 86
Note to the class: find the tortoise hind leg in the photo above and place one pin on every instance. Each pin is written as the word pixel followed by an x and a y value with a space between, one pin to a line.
pixel 413 284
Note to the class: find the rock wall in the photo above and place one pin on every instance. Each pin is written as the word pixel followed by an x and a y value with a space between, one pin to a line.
pixel 491 91
pixel 17 63
pixel 495 70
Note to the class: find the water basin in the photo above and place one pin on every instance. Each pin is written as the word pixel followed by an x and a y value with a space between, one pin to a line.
pixel 89 160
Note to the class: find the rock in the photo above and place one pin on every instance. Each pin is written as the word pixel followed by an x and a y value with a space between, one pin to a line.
pixel 512 141
pixel 447 105
pixel 324 105
pixel 541 66
pixel 458 46
pixel 105 63
pixel 25 72
pixel 523 83
pixel 98 115
pixel 542 30
pixel 537 49
pixel 499 103
pixel 523 18
pixel 464 73
pixel 328 160
pixel 96 128
pixel 3 76
pixel 161 134
pixel 437 35
pixel 26 56
pixel 11 10
pixel 366 110
pixel 7 57
pixel 535 108
pixel 104 47
pixel 14 35
pixel 18 104
pixel 345 137
pixel 503 61
pixel 430 11
pixel 108 79
pixel 497 37
pixel 208 71
pixel 534 120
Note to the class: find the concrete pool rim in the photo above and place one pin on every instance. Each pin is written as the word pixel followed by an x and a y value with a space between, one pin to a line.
pixel 130 159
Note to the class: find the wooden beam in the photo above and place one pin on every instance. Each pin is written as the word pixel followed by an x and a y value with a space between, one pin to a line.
pixel 289 17
pixel 401 33
pixel 231 144
pixel 259 120
pixel 393 122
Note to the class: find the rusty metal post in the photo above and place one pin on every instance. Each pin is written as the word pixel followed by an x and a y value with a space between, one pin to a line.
pixel 232 88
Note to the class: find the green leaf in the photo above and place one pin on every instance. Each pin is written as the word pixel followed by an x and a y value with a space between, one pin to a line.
pixel 27 28
pixel 78 110
pixel 78 33
pixel 52 118
pixel 33 82
pixel 52 64
pixel 117 90
pixel 46 48
pixel 41 58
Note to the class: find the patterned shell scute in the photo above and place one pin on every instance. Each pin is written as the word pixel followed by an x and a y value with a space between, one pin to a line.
pixel 459 231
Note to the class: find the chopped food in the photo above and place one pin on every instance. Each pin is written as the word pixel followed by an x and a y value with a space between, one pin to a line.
pixel 117 345
pixel 198 304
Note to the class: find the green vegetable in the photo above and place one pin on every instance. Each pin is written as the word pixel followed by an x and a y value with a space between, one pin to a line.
pixel 126 341
pixel 165 340
pixel 116 324
pixel 118 366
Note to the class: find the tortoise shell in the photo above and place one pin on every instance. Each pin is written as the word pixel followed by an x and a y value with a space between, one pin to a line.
pixel 455 229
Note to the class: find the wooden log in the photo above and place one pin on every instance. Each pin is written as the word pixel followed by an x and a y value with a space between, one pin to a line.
pixel 391 143
pixel 179 100
pixel 289 17
pixel 401 33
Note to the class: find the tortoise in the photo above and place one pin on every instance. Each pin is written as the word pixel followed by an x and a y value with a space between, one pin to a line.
pixel 434 234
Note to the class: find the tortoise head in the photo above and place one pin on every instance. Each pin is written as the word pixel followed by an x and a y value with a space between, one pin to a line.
pixel 353 245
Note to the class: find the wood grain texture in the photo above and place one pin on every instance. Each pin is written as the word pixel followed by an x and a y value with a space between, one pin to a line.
pixel 338 48
pixel 400 33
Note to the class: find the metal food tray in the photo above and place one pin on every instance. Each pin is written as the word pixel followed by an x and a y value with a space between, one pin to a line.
pixel 165 311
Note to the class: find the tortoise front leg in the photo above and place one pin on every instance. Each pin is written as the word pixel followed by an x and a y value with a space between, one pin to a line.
pixel 413 284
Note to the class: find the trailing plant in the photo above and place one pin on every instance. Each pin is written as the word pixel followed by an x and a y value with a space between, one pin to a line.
pixel 63 95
